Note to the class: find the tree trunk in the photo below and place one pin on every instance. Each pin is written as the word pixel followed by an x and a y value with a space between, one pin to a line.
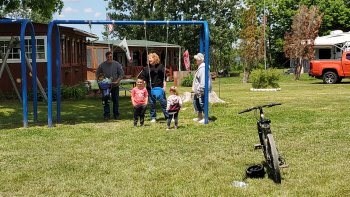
pixel 246 74
pixel 297 70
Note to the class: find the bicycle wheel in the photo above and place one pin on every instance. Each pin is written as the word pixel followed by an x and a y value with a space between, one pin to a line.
pixel 263 140
pixel 273 159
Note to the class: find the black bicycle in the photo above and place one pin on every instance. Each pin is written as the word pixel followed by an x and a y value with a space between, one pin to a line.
pixel 267 142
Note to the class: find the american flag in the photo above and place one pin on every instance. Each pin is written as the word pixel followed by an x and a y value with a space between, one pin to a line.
pixel 109 26
pixel 187 60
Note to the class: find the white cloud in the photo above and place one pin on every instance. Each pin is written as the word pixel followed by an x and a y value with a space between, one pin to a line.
pixel 61 16
pixel 70 10
pixel 97 14
pixel 88 10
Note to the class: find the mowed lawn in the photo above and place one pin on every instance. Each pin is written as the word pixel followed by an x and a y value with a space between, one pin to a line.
pixel 85 156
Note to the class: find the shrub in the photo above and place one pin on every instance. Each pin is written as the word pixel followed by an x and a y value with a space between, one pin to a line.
pixel 9 95
pixel 187 81
pixel 74 92
pixel 265 78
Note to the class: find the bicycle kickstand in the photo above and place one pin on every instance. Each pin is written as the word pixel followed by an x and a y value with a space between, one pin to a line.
pixel 282 162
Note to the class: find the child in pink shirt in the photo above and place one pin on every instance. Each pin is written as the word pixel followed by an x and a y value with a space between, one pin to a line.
pixel 139 99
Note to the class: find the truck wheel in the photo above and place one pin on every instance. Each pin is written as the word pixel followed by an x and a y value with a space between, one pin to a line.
pixel 330 77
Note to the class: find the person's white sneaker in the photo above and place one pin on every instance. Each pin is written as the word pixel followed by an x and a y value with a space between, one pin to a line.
pixel 201 121
pixel 153 120
pixel 195 119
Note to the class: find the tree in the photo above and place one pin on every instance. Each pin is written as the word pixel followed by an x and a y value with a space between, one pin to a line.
pixel 249 47
pixel 37 10
pixel 279 20
pixel 335 15
pixel 299 42
pixel 219 14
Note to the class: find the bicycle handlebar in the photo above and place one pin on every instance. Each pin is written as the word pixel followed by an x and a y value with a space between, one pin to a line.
pixel 258 107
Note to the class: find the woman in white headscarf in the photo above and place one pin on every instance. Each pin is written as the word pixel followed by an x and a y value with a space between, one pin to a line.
pixel 198 86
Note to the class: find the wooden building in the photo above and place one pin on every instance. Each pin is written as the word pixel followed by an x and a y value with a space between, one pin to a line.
pixel 96 55
pixel 73 55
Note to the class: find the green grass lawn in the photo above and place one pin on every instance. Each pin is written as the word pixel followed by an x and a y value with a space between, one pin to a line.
pixel 85 156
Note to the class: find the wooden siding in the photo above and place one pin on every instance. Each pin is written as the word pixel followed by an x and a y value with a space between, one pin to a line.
pixel 96 55
pixel 73 58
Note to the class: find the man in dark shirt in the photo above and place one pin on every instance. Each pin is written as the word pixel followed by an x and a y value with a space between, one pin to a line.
pixel 113 70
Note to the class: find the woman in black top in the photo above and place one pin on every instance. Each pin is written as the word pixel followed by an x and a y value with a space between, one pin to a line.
pixel 154 76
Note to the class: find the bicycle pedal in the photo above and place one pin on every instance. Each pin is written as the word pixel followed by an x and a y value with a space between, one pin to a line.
pixel 257 146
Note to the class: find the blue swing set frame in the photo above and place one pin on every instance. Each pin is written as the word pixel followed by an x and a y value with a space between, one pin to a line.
pixel 203 48
pixel 24 23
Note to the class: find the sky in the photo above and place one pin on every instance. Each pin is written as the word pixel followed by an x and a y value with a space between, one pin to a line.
pixel 84 10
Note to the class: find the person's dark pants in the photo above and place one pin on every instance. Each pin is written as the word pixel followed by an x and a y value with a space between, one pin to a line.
pixel 115 100
pixel 198 103
pixel 139 111
pixel 152 103
pixel 171 116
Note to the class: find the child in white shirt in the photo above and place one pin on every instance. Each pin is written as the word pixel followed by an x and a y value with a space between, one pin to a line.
pixel 174 104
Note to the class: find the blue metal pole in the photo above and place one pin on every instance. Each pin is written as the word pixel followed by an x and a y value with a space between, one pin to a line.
pixel 34 75
pixel 49 73
pixel 58 75
pixel 24 74
pixel 24 23
pixel 104 22
pixel 207 71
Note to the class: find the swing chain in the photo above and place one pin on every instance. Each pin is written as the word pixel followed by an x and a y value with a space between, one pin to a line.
pixel 166 53
pixel 149 69
pixel 166 50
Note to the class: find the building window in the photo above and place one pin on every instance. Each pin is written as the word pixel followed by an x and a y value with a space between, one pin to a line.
pixel 89 58
pixel 135 58
pixel 15 55
pixel 40 49
pixel 324 54
pixel 14 52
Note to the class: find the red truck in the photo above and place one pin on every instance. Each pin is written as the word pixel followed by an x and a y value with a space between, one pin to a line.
pixel 331 71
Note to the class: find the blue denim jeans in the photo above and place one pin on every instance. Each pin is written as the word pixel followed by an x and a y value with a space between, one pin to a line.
pixel 152 103
pixel 115 100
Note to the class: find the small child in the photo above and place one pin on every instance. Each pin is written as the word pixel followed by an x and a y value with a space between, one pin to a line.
pixel 174 104
pixel 104 84
pixel 139 99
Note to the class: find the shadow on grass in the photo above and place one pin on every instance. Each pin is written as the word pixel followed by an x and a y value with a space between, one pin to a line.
pixel 269 171
pixel 321 82
pixel 89 110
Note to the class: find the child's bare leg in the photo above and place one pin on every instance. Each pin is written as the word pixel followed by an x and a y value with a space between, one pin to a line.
pixel 200 116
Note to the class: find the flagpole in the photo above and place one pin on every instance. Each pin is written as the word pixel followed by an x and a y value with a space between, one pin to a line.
pixel 264 37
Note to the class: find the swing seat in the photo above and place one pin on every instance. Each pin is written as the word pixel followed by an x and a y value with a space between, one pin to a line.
pixel 157 92
pixel 105 87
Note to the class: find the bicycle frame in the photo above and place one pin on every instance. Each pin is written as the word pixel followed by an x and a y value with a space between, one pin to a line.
pixel 267 142
pixel 263 126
